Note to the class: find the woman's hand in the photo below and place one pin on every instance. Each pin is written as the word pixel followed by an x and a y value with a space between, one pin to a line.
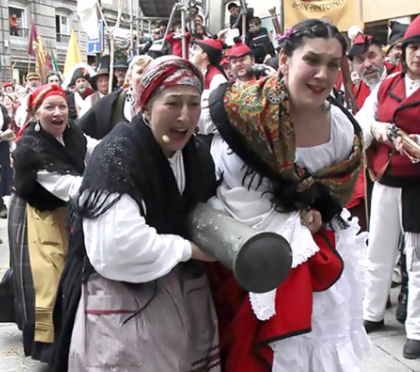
pixel 312 220
pixel 199 255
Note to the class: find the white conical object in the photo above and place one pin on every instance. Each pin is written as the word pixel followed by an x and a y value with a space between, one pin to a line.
pixel 353 32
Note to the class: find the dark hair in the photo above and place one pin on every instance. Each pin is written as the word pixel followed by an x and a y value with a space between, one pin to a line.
pixel 255 21
pixel 52 73
pixel 176 24
pixel 232 5
pixel 405 44
pixel 311 29
pixel 199 16
pixel 272 62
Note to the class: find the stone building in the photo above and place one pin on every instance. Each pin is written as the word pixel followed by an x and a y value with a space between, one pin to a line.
pixel 54 20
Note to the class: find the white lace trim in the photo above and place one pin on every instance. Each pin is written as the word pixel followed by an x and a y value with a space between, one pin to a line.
pixel 303 247
pixel 338 341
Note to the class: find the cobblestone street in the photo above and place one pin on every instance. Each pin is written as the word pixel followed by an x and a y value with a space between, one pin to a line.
pixel 386 355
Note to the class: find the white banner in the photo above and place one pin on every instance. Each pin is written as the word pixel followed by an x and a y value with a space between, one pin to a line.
pixel 88 14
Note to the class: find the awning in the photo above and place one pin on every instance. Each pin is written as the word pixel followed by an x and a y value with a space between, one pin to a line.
pixel 156 8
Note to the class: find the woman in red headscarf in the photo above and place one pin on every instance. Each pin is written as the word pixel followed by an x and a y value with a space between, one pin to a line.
pixel 134 295
pixel 49 161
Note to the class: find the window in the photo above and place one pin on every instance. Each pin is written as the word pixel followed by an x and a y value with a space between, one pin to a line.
pixel 62 25
pixel 17 22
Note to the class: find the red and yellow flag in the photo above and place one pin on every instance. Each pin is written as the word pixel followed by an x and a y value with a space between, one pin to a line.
pixel 37 49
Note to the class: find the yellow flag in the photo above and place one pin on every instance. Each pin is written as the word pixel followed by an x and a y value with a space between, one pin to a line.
pixel 341 13
pixel 73 53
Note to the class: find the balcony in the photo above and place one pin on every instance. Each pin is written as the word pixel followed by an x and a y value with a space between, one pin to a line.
pixel 19 38
pixel 62 41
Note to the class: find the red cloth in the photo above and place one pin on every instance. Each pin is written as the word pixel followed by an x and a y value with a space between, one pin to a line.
pixel 395 107
pixel 244 340
pixel 43 92
pixel 339 81
pixel 361 92
pixel 391 69
pixel 177 44
pixel 211 73
pixel 413 29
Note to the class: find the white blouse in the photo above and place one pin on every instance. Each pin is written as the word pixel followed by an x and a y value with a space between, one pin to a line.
pixel 121 246
pixel 335 150
pixel 205 124
pixel 64 187
pixel 253 207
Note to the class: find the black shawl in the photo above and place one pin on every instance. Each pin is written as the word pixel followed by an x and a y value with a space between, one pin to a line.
pixel 104 115
pixel 128 161
pixel 39 150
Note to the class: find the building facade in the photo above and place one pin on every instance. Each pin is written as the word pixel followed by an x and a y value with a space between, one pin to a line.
pixel 54 20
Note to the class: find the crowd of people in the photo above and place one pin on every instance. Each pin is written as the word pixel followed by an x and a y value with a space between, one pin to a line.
pixel 104 275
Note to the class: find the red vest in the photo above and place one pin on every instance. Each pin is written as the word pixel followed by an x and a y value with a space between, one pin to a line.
pixel 211 73
pixel 394 107
pixel 361 93
pixel 392 69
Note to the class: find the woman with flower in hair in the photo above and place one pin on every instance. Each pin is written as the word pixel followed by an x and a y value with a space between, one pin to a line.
pixel 289 157
pixel 48 161
pixel 134 296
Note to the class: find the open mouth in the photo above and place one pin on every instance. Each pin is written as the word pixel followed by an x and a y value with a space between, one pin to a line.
pixel 178 134
pixel 315 89
pixel 57 122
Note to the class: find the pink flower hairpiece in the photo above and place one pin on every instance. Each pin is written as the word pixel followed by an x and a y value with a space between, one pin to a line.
pixel 286 36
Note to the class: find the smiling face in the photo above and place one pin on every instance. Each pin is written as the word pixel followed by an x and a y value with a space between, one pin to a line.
pixel 53 115
pixel 198 21
pixel 311 71
pixel 412 59
pixel 174 113
pixel 7 102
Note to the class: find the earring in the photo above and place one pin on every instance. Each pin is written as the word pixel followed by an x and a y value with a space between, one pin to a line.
pixel 326 107
pixel 37 126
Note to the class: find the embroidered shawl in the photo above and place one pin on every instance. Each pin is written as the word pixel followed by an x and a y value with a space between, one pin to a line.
pixel 258 118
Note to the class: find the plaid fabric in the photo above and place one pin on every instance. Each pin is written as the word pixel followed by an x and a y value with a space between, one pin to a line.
pixel 20 262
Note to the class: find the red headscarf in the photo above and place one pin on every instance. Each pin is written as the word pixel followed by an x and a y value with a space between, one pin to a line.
pixel 43 92
pixel 36 99
pixel 166 72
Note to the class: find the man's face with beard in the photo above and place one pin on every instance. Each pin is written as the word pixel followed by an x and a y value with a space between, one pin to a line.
pixel 394 54
pixel 370 65
pixel 242 67
pixel 33 84
pixel 81 85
